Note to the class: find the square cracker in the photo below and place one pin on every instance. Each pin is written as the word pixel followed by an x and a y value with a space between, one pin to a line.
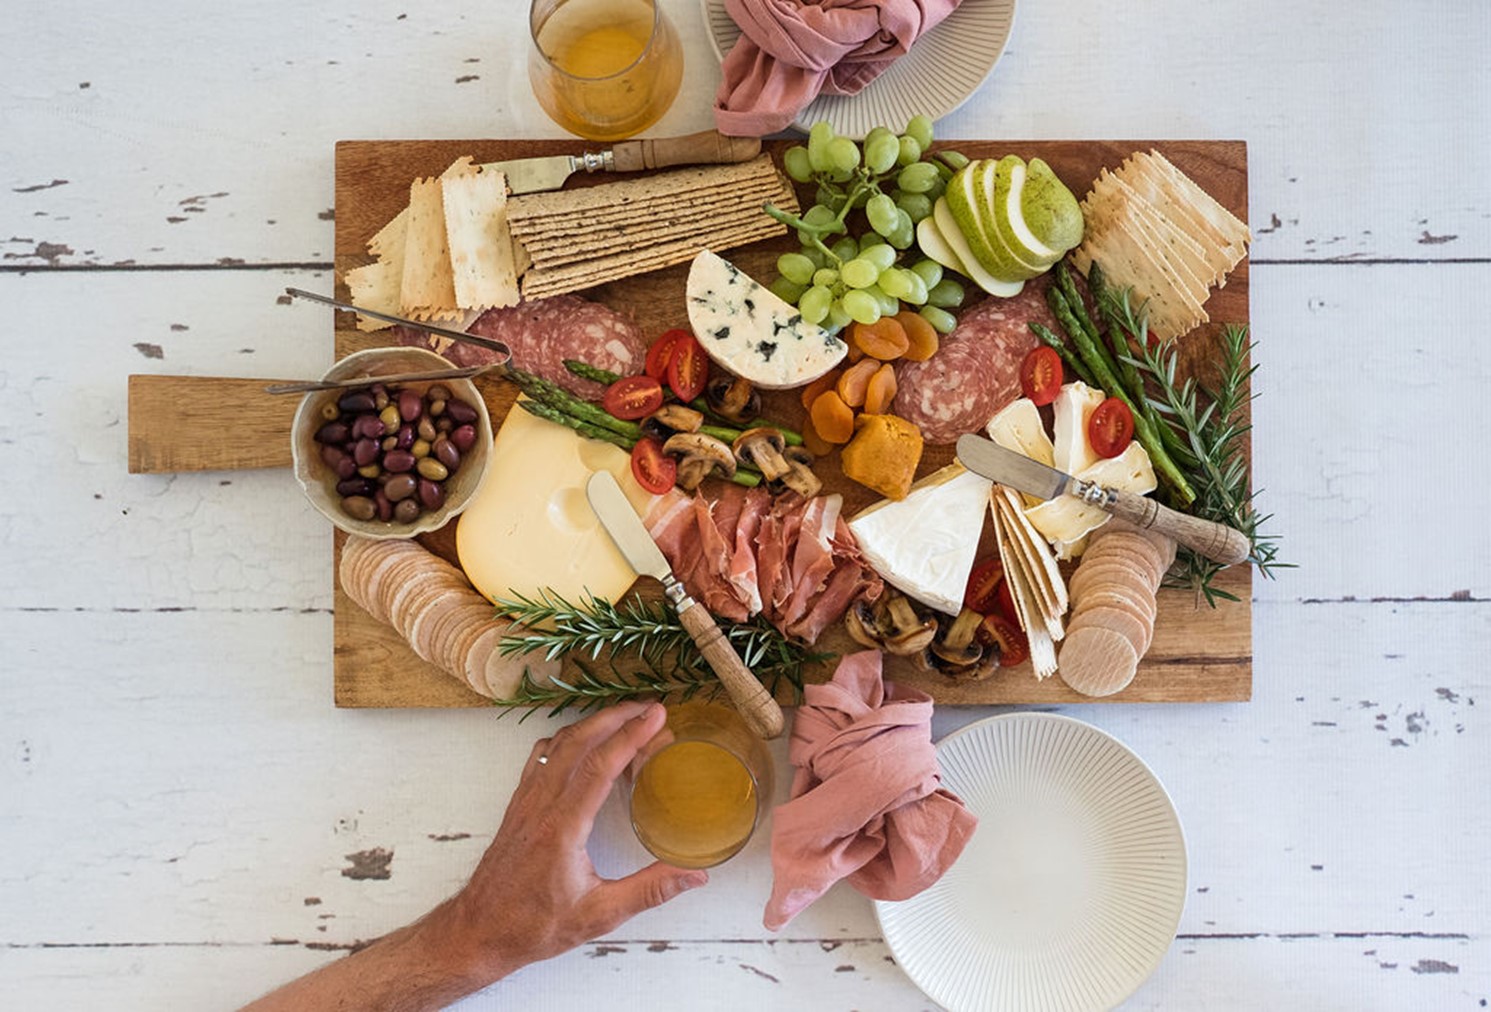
pixel 481 247
pixel 428 284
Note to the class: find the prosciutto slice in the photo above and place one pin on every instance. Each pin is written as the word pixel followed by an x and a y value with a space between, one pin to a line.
pixel 792 560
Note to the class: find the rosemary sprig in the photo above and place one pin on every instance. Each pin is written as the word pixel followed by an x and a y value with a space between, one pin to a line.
pixel 1207 430
pixel 645 647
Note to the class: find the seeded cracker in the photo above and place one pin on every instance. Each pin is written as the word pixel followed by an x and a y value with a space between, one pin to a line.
pixel 481 248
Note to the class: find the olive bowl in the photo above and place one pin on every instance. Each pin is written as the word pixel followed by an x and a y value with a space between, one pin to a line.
pixel 318 479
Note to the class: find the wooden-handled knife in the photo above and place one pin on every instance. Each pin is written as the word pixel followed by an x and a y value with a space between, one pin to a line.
pixel 755 704
pixel 534 175
pixel 1217 542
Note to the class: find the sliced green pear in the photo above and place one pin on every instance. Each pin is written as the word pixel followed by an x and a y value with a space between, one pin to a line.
pixel 972 269
pixel 929 238
pixel 1049 209
pixel 1009 219
pixel 1000 178
pixel 970 200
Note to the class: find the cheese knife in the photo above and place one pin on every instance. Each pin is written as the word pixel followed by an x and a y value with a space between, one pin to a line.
pixel 533 175
pixel 1217 542
pixel 755 704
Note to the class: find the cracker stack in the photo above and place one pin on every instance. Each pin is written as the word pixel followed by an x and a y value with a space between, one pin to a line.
pixel 1152 228
pixel 1036 586
pixel 1113 607
pixel 430 603
pixel 587 236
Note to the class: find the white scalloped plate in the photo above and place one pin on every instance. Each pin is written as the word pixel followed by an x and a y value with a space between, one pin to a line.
pixel 1069 893
pixel 938 73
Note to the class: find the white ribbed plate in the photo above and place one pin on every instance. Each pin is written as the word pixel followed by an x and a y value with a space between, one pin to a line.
pixel 1069 893
pixel 938 73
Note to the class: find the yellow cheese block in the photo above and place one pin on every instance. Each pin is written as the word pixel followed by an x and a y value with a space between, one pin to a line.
pixel 531 528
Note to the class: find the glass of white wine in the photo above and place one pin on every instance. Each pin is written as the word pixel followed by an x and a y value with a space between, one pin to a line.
pixel 698 790
pixel 603 69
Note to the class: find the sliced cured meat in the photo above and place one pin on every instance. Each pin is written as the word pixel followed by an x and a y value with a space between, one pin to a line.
pixel 743 571
pixel 813 556
pixel 976 371
pixel 545 332
pixel 792 560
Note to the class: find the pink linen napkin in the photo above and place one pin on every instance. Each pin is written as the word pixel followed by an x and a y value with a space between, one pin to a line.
pixel 790 50
pixel 867 802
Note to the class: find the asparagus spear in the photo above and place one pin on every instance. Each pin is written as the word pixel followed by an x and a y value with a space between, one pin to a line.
pixel 560 399
pixel 1102 370
pixel 1074 363
pixel 742 476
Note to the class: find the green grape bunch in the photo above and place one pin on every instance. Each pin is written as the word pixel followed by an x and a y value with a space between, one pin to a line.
pixel 894 180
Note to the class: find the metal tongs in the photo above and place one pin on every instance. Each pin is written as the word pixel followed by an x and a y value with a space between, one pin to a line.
pixel 309 386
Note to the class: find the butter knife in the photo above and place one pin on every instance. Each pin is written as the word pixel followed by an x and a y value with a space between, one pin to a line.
pixel 759 710
pixel 1219 543
pixel 533 175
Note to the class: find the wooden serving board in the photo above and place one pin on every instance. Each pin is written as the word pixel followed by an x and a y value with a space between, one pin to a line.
pixel 1199 654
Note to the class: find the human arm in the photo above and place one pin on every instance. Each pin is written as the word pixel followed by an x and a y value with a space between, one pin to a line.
pixel 534 894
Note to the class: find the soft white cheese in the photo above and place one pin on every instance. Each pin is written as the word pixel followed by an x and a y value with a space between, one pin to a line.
pixel 752 333
pixel 924 545
pixel 1067 518
pixel 1071 411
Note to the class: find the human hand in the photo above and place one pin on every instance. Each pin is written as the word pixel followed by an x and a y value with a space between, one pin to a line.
pixel 535 893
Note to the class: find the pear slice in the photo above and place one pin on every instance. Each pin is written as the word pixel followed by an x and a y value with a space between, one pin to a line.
pixel 929 238
pixel 999 180
pixel 948 228
pixel 1049 209
pixel 970 198
pixel 1009 219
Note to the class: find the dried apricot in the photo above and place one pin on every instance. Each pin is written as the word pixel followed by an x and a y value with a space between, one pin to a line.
pixel 812 390
pixel 880 390
pixel 884 339
pixel 833 419
pixel 921 336
pixel 856 378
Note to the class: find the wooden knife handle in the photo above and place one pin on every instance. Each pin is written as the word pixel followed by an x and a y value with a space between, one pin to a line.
pixel 706 148
pixel 1217 542
pixel 755 704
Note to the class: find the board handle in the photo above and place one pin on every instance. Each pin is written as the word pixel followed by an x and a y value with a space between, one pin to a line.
pixel 755 704
pixel 708 147
pixel 1218 542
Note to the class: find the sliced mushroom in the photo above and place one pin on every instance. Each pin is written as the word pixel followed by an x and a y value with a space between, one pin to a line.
pixel 699 456
pixel 762 448
pixel 670 419
pixel 958 654
pixel 799 477
pixel 892 624
pixel 733 399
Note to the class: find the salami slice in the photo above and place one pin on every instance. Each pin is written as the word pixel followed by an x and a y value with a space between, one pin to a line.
pixel 545 332
pixel 975 372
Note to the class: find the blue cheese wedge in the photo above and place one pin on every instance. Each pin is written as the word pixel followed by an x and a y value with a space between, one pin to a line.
pixel 752 333
pixel 924 545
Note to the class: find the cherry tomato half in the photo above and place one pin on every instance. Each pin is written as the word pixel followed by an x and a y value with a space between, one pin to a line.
pixel 633 397
pixel 661 352
pixel 654 470
pixel 1111 428
pixel 1004 605
pixel 688 368
pixel 1014 648
pixel 1040 375
pixel 983 585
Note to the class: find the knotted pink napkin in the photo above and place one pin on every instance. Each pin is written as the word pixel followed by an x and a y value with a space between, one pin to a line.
pixel 790 50
pixel 867 804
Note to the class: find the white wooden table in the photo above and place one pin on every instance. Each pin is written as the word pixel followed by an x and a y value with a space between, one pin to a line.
pixel 185 820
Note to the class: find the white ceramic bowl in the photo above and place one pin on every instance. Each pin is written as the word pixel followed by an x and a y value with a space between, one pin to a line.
pixel 319 481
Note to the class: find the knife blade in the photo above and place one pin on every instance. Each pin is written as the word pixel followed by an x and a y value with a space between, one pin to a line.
pixel 549 172
pixel 615 513
pixel 1217 542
